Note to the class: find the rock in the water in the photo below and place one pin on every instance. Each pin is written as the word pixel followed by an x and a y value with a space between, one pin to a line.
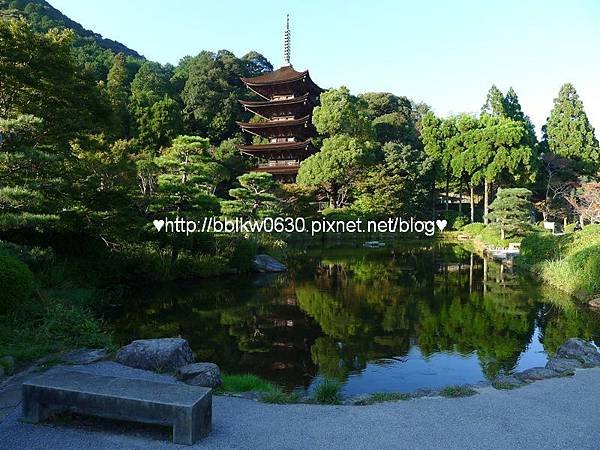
pixel 595 303
pixel 581 350
pixel 266 263
pixel 536 373
pixel 200 374
pixel 161 355
pixel 84 356
pixel 8 364
pixel 563 365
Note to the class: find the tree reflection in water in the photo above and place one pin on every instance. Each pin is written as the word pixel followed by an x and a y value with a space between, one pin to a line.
pixel 339 310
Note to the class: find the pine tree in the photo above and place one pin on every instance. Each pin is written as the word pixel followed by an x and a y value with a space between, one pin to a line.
pixel 511 210
pixel 254 198
pixel 513 111
pixel 494 103
pixel 569 134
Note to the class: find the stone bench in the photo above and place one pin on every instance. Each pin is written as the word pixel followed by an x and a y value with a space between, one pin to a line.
pixel 188 409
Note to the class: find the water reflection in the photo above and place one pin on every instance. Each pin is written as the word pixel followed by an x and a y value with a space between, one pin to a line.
pixel 379 319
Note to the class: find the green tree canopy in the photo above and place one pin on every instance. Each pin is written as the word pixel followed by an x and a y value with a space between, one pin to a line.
pixel 212 91
pixel 187 178
pixel 342 113
pixel 511 209
pixel 41 77
pixel 254 198
pixel 568 132
pixel 335 168
pixel 397 185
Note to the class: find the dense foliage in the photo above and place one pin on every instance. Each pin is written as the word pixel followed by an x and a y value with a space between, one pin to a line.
pixel 97 143
pixel 17 283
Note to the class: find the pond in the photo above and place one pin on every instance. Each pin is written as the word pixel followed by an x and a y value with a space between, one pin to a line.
pixel 393 319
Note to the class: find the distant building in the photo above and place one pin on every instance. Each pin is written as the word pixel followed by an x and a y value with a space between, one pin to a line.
pixel 284 126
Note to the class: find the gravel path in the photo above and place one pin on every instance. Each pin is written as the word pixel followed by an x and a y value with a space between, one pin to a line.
pixel 555 413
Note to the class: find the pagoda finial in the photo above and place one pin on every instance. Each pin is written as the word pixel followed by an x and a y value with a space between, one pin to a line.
pixel 286 42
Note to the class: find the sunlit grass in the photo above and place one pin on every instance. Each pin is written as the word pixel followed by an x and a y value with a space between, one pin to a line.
pixel 279 396
pixel 245 383
pixel 380 397
pixel 327 392
pixel 457 391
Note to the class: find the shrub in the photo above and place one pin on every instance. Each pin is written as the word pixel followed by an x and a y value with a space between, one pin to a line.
pixel 455 219
pixel 238 251
pixel 73 326
pixel 538 247
pixel 570 228
pixel 16 281
pixel 35 257
pixel 460 222
pixel 473 229
pixel 197 266
pixel 327 392
pixel 278 396
pixel 245 383
pixel 570 262
pixel 339 214
pixel 63 321
pixel 490 235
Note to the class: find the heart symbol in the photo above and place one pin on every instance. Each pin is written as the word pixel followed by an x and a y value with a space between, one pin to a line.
pixel 441 224
pixel 159 224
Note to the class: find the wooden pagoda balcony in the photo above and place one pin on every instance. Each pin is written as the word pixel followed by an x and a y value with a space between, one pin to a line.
pixel 279 167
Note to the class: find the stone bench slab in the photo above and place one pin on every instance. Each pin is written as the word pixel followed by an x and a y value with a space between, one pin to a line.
pixel 188 409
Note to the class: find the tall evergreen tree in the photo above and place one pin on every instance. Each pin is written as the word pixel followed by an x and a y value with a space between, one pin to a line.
pixel 117 88
pixel 157 114
pixel 513 110
pixel 494 103
pixel 569 134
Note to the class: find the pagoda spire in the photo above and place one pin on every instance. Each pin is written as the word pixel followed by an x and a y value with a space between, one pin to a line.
pixel 286 43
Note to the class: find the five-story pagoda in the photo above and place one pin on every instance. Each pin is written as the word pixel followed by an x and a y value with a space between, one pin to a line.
pixel 284 127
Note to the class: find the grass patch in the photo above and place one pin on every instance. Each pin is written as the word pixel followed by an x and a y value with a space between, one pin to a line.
pixel 380 397
pixel 327 392
pixel 570 262
pixel 504 385
pixel 458 391
pixel 279 396
pixel 245 383
pixel 42 326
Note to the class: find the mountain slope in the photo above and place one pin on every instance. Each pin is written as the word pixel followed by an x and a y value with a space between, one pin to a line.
pixel 44 16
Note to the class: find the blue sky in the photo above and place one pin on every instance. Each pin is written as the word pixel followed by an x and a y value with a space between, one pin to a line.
pixel 445 53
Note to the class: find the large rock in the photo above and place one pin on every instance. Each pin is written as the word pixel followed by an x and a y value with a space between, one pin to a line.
pixel 266 263
pixel 563 365
pixel 581 350
pixel 535 374
pixel 161 355
pixel 201 374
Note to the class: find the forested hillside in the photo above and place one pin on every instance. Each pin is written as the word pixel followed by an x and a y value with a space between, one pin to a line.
pixel 92 48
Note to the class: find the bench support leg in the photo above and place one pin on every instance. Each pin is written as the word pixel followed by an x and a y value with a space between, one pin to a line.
pixel 183 431
pixel 194 424
pixel 33 411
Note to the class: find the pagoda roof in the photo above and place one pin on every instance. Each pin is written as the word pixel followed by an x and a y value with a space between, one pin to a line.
pixel 301 145
pixel 285 101
pixel 274 123
pixel 285 74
